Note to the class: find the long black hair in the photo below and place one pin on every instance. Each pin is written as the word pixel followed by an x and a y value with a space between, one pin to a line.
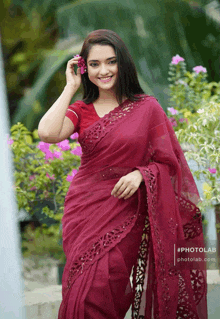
pixel 127 83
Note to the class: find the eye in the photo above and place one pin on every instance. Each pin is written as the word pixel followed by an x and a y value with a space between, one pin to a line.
pixel 113 62
pixel 94 64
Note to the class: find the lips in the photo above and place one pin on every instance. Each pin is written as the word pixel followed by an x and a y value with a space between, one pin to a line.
pixel 106 79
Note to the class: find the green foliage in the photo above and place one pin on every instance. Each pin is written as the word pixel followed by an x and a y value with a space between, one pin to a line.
pixel 42 242
pixel 29 161
pixel 47 33
pixel 198 101
pixel 188 91
pixel 40 183
pixel 204 134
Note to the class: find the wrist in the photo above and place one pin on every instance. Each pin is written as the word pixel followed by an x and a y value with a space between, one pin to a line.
pixel 137 170
pixel 70 88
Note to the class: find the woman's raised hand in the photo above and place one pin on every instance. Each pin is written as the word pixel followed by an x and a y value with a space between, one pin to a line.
pixel 72 78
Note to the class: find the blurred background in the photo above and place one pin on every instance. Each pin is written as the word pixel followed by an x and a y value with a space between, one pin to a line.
pixel 38 37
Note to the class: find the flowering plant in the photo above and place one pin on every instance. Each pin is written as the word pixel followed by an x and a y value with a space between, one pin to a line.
pixel 42 173
pixel 188 91
pixel 204 135
pixel 81 64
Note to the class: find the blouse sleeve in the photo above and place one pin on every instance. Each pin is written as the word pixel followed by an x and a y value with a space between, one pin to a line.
pixel 73 113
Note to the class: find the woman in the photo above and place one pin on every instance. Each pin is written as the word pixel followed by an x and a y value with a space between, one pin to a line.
pixel 133 199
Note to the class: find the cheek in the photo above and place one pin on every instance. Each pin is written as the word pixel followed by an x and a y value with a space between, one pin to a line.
pixel 91 74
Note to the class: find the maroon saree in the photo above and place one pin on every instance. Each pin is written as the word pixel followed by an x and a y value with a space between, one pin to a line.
pixel 105 238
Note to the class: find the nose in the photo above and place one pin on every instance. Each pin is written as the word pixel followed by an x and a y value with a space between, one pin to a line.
pixel 103 69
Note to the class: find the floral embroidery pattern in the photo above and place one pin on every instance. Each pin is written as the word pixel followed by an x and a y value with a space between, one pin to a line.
pixel 89 138
pixel 192 229
pixel 100 247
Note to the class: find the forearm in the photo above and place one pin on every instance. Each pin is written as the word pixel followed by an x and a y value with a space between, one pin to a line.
pixel 51 123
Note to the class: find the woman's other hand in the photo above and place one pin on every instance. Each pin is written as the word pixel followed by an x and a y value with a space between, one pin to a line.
pixel 72 78
pixel 127 185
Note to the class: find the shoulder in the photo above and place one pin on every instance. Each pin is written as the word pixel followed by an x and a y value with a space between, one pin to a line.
pixel 76 106
pixel 151 104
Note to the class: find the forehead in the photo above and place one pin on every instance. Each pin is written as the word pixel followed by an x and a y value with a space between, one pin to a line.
pixel 101 52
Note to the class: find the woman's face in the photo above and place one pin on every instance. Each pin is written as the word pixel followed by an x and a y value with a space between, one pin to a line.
pixel 102 67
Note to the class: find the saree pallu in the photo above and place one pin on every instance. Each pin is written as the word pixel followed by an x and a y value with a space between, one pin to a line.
pixel 104 237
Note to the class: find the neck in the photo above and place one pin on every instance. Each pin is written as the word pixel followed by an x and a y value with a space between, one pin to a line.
pixel 108 96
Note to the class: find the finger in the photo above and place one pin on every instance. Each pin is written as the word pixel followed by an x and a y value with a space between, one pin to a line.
pixel 125 193
pixel 129 195
pixel 117 189
pixel 78 72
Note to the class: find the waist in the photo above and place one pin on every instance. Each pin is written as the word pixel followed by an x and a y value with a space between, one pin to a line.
pixel 105 173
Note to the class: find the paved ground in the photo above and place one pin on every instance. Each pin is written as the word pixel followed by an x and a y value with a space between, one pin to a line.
pixel 39 273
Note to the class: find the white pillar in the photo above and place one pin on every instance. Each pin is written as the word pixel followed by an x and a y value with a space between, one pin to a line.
pixel 11 282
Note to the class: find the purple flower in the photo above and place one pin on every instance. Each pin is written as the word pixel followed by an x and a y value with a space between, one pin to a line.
pixel 77 151
pixel 172 110
pixel 212 170
pixel 64 145
pixel 199 68
pixel 176 59
pixel 74 136
pixel 173 121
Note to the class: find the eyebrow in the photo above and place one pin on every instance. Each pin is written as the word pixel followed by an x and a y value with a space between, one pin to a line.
pixel 106 59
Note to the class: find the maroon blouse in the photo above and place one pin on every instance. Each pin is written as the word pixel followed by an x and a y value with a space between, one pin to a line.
pixel 82 115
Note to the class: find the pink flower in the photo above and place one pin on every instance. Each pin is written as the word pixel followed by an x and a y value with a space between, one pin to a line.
pixel 74 136
pixel 50 177
pixel 33 188
pixel 176 59
pixel 173 121
pixel 31 177
pixel 81 64
pixel 199 68
pixel 77 151
pixel 44 147
pixel 57 154
pixel 48 154
pixel 10 141
pixel 74 171
pixel 64 145
pixel 212 170
pixel 70 177
pixel 183 120
pixel 172 110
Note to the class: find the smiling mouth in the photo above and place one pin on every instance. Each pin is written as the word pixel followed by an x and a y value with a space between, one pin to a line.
pixel 106 79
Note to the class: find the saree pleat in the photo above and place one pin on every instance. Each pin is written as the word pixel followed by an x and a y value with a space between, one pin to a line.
pixel 104 289
pixel 106 238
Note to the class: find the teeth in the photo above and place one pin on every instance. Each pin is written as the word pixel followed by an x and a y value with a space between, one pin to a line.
pixel 105 78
